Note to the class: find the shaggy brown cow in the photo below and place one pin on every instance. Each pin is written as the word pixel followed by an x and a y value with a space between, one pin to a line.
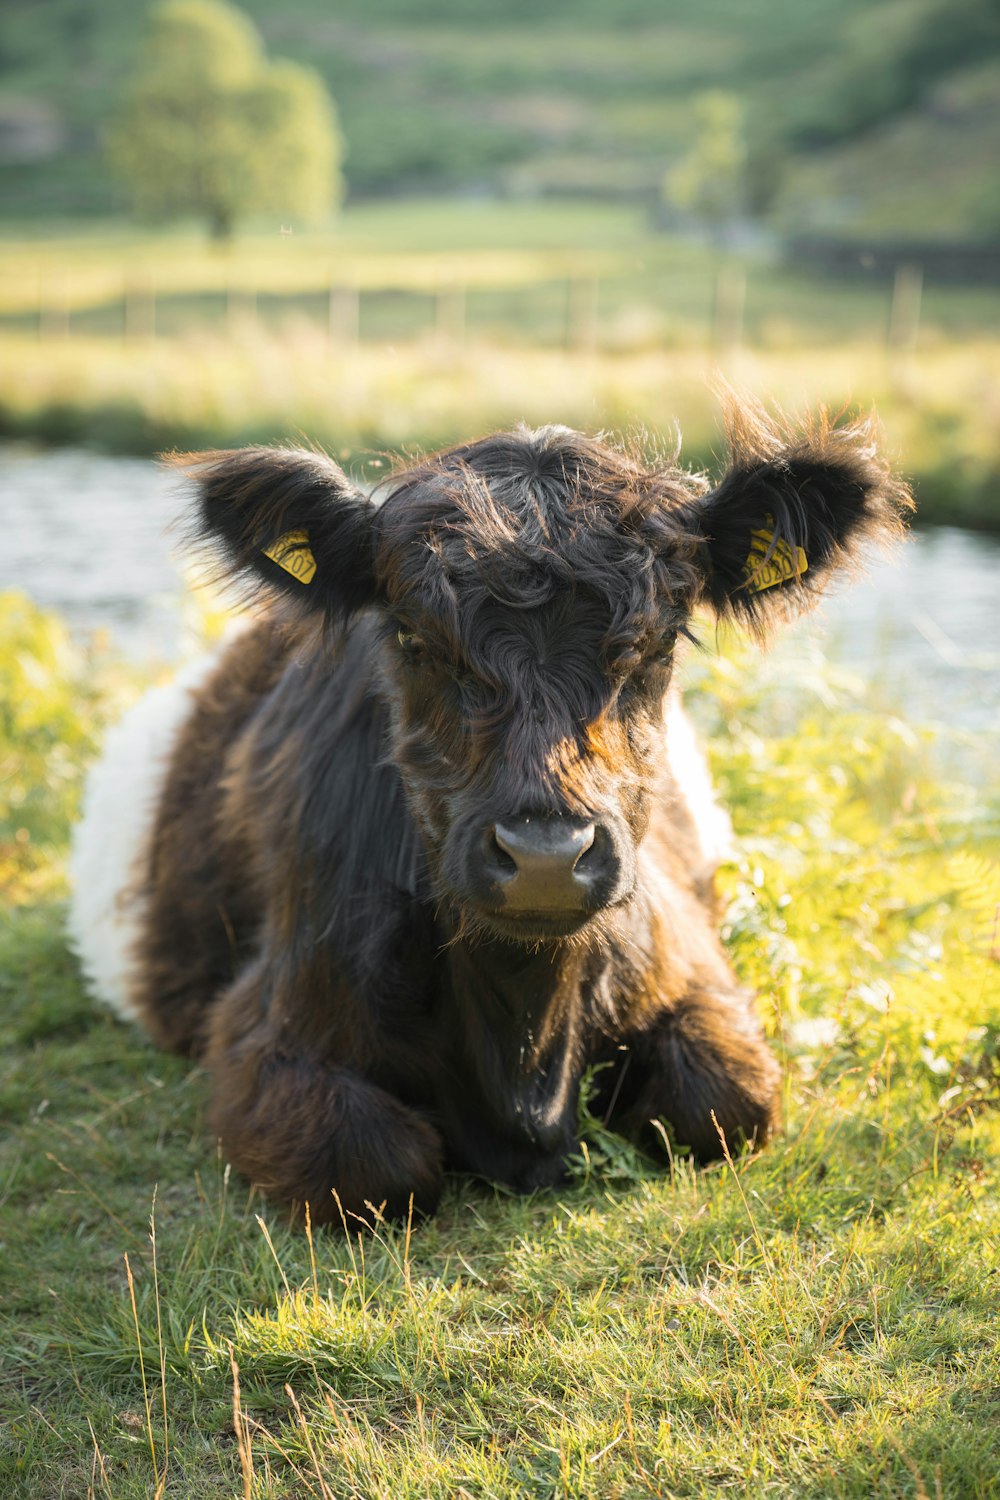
pixel 432 837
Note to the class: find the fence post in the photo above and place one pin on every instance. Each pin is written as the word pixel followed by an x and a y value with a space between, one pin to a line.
pixel 343 317
pixel 728 308
pixel 904 314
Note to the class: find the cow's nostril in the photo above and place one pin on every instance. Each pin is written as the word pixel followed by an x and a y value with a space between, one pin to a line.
pixel 506 845
pixel 588 839
pixel 503 862
pixel 589 858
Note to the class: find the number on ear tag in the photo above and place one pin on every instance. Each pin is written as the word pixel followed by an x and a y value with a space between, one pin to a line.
pixel 783 564
pixel 293 553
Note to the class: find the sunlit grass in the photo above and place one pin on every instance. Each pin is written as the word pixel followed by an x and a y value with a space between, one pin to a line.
pixel 818 1320
pixel 940 408
pixel 416 246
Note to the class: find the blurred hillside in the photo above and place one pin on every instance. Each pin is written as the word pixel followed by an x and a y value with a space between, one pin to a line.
pixel 881 116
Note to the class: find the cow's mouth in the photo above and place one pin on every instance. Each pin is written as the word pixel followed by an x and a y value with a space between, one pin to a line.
pixel 535 926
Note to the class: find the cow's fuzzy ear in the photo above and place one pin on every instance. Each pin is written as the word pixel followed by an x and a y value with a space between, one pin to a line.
pixel 795 506
pixel 285 520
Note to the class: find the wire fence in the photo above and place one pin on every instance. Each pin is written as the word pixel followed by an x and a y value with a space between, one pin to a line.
pixel 578 312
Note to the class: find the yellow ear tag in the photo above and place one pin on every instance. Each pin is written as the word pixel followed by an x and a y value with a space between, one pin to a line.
pixel 783 564
pixel 293 553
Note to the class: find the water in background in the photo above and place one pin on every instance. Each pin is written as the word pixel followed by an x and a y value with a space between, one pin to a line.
pixel 87 535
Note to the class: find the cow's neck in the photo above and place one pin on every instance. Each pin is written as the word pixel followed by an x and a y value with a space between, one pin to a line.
pixel 516 1029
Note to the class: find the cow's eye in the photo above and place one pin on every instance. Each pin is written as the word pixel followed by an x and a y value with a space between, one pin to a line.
pixel 411 643
pixel 661 655
pixel 644 671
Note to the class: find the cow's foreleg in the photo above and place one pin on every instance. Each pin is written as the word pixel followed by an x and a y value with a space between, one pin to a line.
pixel 307 1131
pixel 704 1067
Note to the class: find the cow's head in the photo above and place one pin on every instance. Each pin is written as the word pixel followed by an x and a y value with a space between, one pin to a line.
pixel 529 590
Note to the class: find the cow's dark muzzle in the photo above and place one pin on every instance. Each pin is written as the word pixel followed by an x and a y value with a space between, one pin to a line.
pixel 537 874
pixel 560 867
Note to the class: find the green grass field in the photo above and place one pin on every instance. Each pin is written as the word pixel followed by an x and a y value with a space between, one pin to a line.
pixel 819 1320
pixel 514 261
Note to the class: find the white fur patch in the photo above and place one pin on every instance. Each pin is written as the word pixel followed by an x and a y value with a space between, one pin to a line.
pixel 689 769
pixel 120 800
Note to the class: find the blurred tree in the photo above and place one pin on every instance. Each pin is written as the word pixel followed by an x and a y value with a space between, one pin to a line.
pixel 210 127
pixel 766 169
pixel 709 184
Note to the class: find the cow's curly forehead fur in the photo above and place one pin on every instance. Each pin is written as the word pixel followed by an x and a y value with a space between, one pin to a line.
pixel 530 519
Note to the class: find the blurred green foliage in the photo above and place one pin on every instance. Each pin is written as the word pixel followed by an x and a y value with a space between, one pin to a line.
pixel 565 95
pixel 209 128
pixel 710 182
pixel 53 697
pixel 44 724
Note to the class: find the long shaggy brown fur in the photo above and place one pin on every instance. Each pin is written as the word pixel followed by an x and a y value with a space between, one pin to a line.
pixel 329 919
